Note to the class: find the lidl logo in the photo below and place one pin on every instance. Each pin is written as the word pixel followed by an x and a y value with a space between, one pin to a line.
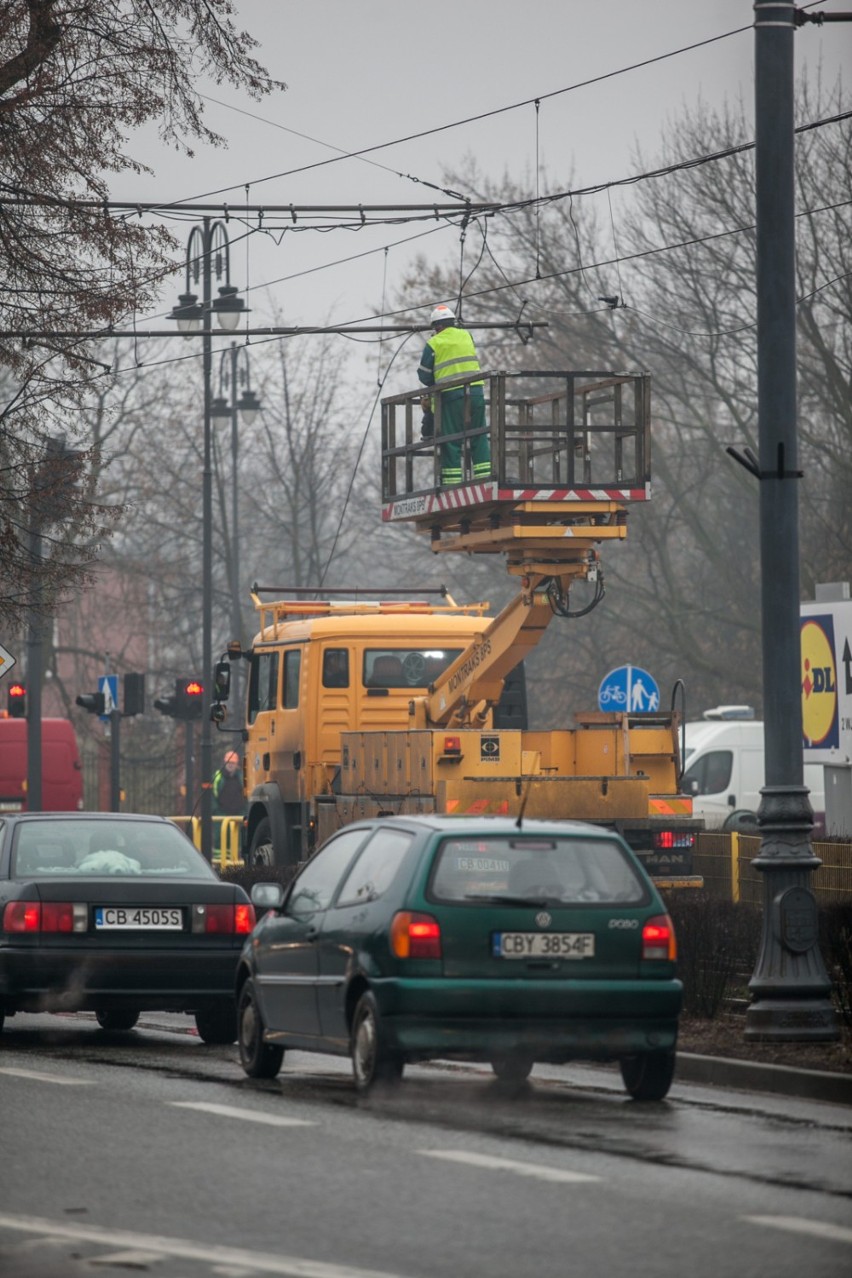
pixel 819 683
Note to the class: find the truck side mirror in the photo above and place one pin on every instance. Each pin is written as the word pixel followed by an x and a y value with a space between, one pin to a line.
pixel 222 680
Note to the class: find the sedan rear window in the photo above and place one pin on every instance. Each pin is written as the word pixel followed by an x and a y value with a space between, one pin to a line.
pixel 515 871
pixel 114 848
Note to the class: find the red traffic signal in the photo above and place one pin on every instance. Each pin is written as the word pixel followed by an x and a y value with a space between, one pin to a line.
pixel 189 694
pixel 16 702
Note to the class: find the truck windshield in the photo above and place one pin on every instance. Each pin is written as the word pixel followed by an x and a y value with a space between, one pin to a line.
pixel 405 667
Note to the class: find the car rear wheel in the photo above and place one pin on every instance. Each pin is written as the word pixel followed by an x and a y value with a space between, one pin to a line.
pixel 258 1059
pixel 648 1076
pixel 372 1060
pixel 217 1025
pixel 117 1021
pixel 512 1069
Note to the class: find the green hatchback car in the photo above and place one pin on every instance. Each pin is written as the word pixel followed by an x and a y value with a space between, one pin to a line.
pixel 416 938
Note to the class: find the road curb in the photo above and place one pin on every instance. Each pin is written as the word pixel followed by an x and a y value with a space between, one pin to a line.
pixel 720 1071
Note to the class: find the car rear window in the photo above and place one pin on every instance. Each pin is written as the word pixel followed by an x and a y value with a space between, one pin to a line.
pixel 115 849
pixel 504 869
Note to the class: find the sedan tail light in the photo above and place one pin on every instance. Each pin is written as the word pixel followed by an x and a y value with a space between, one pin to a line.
pixel 416 936
pixel 224 920
pixel 658 939
pixel 46 916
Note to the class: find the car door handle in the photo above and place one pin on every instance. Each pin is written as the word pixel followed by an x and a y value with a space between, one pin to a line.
pixel 312 934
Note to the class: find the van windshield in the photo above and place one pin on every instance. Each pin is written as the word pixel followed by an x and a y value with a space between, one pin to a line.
pixel 405 667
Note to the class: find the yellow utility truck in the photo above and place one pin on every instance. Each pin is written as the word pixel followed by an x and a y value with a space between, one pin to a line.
pixel 357 708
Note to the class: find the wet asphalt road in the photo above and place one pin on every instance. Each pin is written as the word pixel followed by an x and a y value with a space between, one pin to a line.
pixel 150 1152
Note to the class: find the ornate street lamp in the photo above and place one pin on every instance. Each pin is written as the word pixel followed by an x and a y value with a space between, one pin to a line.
pixel 207 256
pixel 234 371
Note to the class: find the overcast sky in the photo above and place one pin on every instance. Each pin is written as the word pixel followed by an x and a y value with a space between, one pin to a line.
pixel 371 72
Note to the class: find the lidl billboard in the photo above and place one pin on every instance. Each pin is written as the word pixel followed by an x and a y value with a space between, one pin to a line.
pixel 826 664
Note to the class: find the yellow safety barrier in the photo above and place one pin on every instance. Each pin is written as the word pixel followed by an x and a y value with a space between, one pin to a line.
pixel 226 848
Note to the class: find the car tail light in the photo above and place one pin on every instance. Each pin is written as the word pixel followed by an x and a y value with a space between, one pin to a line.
pixel 658 938
pixel 664 839
pixel 223 920
pixel 47 916
pixel 22 916
pixel 416 936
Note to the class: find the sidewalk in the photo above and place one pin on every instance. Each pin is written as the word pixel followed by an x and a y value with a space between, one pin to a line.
pixel 720 1071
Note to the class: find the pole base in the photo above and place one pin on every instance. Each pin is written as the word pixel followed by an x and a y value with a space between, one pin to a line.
pixel 783 1020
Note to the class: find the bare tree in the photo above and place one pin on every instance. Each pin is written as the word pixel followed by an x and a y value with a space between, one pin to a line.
pixel 683 593
pixel 76 78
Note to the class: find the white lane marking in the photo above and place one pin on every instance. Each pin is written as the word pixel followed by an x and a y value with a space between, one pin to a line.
pixel 247 1115
pixel 46 1078
pixel 184 1249
pixel 536 1170
pixel 796 1225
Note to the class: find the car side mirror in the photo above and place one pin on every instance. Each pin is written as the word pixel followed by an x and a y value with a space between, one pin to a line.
pixel 267 896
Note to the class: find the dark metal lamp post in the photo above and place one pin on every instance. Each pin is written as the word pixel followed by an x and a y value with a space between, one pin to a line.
pixel 207 254
pixel 790 988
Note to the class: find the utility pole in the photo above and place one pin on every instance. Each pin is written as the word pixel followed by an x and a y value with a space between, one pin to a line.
pixel 790 989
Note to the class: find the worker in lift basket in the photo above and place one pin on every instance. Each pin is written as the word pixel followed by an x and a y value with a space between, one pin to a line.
pixel 449 353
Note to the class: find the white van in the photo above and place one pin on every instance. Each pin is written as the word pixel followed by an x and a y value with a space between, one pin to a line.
pixel 725 771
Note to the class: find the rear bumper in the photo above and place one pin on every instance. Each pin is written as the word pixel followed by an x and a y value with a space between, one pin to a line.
pixel 556 1023
pixel 68 980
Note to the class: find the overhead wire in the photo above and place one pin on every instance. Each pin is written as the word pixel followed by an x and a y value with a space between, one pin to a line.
pixel 474 119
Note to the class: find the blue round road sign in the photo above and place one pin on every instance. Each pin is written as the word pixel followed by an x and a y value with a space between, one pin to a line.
pixel 630 690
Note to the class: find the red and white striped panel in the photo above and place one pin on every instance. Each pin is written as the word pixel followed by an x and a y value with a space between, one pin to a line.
pixel 457 498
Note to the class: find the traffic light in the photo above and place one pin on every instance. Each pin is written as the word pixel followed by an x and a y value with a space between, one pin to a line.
pixel 188 698
pixel 17 701
pixel 167 706
pixel 134 694
pixel 94 702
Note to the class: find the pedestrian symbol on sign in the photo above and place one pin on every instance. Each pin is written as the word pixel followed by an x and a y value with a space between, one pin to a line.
pixel 108 685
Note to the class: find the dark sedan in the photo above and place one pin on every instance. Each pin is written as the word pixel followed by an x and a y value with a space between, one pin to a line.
pixel 413 938
pixel 116 914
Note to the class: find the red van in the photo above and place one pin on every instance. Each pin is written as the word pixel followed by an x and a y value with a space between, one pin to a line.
pixel 61 770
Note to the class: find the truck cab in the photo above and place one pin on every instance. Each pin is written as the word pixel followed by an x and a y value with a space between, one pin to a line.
pixel 319 670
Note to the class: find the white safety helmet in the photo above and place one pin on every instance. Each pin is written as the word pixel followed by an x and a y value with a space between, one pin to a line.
pixel 442 315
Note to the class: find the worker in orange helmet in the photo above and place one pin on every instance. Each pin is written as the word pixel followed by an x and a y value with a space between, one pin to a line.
pixel 228 798
pixel 450 353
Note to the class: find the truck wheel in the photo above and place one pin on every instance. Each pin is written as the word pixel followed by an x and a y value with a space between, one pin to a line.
pixel 258 1059
pixel 261 851
pixel 648 1075
pixel 117 1021
pixel 217 1026
pixel 372 1061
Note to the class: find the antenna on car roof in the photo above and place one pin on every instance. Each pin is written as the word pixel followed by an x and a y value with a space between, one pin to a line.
pixel 526 795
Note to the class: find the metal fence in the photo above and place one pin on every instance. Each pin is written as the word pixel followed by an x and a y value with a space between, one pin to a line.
pixel 227 833
pixel 724 862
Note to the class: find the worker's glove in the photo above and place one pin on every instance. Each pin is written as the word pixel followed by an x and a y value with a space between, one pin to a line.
pixel 427 425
